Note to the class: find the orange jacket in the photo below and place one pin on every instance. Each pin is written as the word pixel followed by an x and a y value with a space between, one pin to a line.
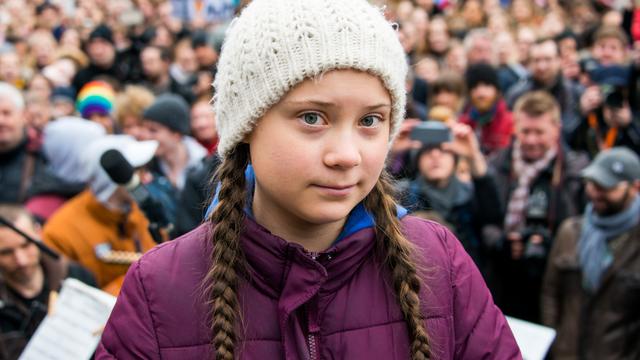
pixel 85 231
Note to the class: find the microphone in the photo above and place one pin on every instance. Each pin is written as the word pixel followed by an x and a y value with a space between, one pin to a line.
pixel 122 173
pixel 117 167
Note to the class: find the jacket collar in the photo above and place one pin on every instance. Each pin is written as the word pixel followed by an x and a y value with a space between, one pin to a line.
pixel 276 266
pixel 123 221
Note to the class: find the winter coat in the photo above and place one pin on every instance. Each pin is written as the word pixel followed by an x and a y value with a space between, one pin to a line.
pixel 84 229
pixel 471 207
pixel 604 325
pixel 497 133
pixel 554 195
pixel 587 138
pixel 194 196
pixel 19 318
pixel 336 305
pixel 19 167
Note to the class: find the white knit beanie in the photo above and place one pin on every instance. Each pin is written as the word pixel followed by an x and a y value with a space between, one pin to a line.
pixel 275 44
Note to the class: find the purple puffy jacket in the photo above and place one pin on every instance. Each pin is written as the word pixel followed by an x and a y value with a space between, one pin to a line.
pixel 339 306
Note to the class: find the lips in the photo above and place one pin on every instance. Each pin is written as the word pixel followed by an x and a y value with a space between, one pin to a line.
pixel 334 190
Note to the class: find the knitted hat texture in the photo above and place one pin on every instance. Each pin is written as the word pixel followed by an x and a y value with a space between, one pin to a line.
pixel 171 111
pixel 95 97
pixel 276 44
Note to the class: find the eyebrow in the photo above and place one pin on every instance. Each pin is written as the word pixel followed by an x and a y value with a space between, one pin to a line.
pixel 331 104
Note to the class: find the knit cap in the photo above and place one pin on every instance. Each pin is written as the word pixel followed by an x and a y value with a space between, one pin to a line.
pixel 276 44
pixel 481 73
pixel 171 111
pixel 96 97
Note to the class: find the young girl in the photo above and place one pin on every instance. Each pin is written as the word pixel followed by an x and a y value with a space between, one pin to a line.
pixel 305 254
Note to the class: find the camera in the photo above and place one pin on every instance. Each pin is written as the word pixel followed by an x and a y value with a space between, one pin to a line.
pixel 614 97
pixel 536 220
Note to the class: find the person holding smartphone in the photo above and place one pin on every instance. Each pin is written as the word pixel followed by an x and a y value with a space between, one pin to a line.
pixel 437 192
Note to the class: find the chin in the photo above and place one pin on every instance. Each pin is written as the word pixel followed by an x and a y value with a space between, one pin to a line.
pixel 326 214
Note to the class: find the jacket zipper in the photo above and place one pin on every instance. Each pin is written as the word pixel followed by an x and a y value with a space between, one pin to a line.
pixel 313 329
pixel 312 314
pixel 311 339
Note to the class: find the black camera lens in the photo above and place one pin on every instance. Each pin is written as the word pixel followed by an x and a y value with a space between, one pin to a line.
pixel 614 100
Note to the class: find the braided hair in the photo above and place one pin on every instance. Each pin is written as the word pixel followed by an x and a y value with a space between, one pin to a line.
pixel 227 256
pixel 398 249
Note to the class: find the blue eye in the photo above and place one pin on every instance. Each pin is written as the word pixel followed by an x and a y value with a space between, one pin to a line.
pixel 370 121
pixel 311 118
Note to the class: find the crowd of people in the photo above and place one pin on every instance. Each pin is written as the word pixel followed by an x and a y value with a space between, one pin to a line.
pixel 539 177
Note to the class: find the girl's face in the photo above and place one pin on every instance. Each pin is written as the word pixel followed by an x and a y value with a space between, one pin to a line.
pixel 319 151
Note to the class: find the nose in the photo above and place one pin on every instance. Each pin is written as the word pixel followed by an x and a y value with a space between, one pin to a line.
pixel 21 257
pixel 342 151
pixel 529 139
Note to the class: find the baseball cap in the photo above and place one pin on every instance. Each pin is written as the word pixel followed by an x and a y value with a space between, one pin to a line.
pixel 612 166
pixel 137 153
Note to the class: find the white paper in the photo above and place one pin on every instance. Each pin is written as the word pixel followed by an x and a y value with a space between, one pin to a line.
pixel 74 329
pixel 534 340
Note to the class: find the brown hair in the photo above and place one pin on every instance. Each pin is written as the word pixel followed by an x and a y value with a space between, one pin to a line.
pixel 611 32
pixel 536 104
pixel 227 257
pixel 448 81
pixel 132 102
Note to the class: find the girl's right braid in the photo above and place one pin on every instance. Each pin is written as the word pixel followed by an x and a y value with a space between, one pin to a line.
pixel 222 278
pixel 403 268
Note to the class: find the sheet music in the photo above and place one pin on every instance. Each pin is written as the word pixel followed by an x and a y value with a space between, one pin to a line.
pixel 534 340
pixel 74 329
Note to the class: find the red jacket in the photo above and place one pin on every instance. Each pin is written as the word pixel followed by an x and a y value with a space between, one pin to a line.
pixel 497 133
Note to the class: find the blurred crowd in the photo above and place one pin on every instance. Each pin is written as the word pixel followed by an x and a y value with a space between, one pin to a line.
pixel 522 136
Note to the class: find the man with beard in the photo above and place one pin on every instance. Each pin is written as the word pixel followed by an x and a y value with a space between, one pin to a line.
pixel 156 62
pixel 487 112
pixel 592 285
pixel 540 186
pixel 546 74
pixel 27 277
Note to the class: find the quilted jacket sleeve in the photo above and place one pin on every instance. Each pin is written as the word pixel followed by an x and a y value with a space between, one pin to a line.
pixel 481 330
pixel 130 332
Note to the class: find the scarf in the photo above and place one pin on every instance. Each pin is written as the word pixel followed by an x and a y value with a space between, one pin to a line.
pixel 444 200
pixel 593 250
pixel 483 118
pixel 526 172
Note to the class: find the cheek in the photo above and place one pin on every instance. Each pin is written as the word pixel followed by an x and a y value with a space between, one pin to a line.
pixel 373 159
pixel 282 157
pixel 33 254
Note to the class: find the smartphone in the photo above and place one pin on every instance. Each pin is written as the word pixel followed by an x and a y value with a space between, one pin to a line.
pixel 431 133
